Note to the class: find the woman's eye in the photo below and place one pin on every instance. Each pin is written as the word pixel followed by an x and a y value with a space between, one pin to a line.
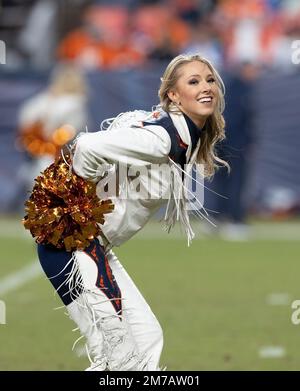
pixel 194 81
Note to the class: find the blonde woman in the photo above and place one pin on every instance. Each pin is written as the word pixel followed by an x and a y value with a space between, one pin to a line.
pixel 121 331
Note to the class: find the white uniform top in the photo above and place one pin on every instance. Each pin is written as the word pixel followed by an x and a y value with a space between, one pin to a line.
pixel 133 145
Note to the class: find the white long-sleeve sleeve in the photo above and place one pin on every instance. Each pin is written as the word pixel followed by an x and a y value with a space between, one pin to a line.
pixel 136 201
pixel 130 145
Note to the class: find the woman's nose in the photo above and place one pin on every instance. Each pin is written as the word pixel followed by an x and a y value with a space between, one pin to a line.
pixel 206 86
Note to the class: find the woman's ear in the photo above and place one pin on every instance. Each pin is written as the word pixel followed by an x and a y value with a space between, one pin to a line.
pixel 173 95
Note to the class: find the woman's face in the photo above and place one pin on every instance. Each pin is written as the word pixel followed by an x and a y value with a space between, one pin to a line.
pixel 195 92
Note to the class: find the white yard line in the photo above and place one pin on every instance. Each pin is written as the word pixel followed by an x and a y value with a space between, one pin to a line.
pixel 272 352
pixel 12 230
pixel 279 299
pixel 19 278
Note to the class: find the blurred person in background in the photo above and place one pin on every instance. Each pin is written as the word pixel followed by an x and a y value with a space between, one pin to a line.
pixel 159 31
pixel 103 41
pixel 257 31
pixel 50 119
pixel 205 40
pixel 280 46
pixel 46 22
pixel 241 24
pixel 38 37
pixel 193 11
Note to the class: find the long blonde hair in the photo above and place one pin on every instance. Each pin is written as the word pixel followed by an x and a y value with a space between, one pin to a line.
pixel 214 129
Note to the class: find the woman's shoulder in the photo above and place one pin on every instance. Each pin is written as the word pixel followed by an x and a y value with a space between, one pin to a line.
pixel 130 118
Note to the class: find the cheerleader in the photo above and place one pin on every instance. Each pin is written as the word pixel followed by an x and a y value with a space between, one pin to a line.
pixel 50 119
pixel 121 331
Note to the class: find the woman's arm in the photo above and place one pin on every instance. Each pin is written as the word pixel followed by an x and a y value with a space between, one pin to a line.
pixel 131 145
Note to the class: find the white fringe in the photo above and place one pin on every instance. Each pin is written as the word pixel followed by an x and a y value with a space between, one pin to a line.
pixel 113 336
pixel 125 119
pixel 177 204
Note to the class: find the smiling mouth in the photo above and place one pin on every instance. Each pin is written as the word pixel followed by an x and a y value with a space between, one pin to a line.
pixel 206 99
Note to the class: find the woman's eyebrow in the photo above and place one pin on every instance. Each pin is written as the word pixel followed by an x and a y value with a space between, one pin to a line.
pixel 210 74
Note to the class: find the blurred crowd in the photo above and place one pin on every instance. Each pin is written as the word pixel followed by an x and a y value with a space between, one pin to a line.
pixel 125 34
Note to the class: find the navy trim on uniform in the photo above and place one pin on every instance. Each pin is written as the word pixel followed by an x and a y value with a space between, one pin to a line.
pixel 53 262
pixel 195 132
pixel 106 281
pixel 57 265
pixel 178 147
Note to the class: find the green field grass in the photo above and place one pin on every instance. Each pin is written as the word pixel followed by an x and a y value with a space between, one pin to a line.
pixel 211 300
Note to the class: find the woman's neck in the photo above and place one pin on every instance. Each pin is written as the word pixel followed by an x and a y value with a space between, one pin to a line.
pixel 192 122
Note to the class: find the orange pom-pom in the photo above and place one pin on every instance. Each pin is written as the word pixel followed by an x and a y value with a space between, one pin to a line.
pixel 64 209
pixel 36 143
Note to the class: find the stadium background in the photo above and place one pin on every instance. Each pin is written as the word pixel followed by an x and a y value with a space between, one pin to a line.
pixel 225 302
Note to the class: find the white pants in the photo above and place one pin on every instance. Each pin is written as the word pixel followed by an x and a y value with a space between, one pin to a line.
pixel 132 341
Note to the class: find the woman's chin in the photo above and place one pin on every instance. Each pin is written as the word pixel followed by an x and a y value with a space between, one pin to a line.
pixel 205 112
